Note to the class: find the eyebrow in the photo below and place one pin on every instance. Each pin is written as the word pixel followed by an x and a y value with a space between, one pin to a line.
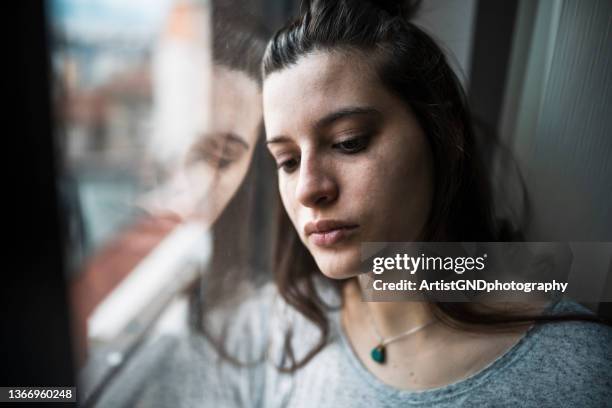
pixel 331 118
pixel 346 112
pixel 232 137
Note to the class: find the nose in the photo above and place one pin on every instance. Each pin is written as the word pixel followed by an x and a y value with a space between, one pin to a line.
pixel 316 184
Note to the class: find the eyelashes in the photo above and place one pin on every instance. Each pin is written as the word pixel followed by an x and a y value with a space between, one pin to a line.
pixel 218 151
pixel 349 146
pixel 288 165
pixel 353 145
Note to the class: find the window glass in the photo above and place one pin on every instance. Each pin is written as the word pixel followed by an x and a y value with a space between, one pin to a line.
pixel 158 114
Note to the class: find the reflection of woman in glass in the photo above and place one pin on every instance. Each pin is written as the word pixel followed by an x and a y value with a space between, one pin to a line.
pixel 208 119
pixel 368 126
pixel 207 113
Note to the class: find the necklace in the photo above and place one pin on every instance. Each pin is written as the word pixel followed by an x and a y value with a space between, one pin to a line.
pixel 378 352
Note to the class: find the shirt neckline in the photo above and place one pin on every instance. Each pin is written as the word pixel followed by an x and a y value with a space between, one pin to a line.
pixel 514 353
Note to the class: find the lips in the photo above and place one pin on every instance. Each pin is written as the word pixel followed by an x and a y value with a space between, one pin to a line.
pixel 326 233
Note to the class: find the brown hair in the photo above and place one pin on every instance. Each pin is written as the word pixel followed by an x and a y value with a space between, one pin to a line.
pixel 239 42
pixel 412 66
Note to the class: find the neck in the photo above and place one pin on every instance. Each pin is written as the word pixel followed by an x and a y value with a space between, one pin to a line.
pixel 390 318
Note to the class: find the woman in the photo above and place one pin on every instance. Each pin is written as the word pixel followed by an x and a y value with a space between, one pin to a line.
pixel 373 141
pixel 370 131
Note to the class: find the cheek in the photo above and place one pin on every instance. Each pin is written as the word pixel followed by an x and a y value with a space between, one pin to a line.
pixel 412 183
pixel 362 184
pixel 236 173
pixel 409 163
pixel 286 188
pixel 229 180
pixel 394 188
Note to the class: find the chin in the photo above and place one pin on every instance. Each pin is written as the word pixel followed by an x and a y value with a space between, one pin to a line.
pixel 337 265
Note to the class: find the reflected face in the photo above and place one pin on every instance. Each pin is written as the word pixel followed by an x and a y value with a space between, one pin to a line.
pixel 219 159
pixel 215 161
pixel 354 164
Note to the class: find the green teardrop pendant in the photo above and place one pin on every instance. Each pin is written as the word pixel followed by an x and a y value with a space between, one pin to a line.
pixel 378 354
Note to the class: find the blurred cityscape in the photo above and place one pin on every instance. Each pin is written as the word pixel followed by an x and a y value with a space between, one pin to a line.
pixel 103 98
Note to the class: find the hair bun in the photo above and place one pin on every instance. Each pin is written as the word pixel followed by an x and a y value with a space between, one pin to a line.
pixel 406 9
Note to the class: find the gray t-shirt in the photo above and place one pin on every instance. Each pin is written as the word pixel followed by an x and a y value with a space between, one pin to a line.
pixel 553 365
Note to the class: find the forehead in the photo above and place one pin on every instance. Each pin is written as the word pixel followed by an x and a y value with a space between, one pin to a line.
pixel 316 85
pixel 236 103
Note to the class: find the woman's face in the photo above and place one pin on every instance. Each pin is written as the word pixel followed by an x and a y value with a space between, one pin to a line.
pixel 212 160
pixel 354 164
pixel 219 158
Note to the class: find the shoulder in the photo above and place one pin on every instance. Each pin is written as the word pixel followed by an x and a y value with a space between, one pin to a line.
pixel 257 325
pixel 581 341
pixel 568 362
pixel 264 325
pixel 244 326
pixel 188 368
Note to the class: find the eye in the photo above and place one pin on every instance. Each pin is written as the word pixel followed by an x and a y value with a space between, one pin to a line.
pixel 353 145
pixel 288 166
pixel 218 151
